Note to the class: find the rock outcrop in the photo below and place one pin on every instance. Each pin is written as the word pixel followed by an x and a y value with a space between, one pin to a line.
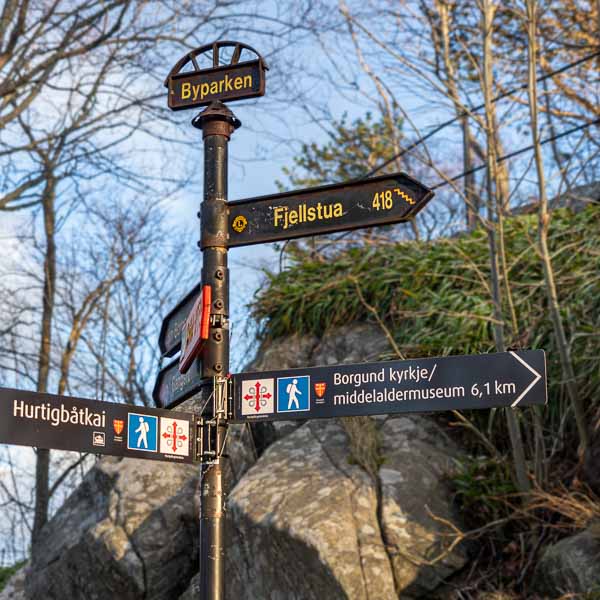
pixel 306 521
pixel 307 524
pixel 358 342
pixel 129 531
pixel 570 566
pixel 416 503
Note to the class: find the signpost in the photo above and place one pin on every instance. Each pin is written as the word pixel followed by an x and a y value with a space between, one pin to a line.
pixel 456 382
pixel 326 209
pixel 399 386
pixel 425 384
pixel 67 423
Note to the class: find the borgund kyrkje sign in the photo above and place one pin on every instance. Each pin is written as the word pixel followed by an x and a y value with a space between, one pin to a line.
pixel 416 385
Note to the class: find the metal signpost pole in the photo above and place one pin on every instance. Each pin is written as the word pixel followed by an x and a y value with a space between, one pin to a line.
pixel 217 123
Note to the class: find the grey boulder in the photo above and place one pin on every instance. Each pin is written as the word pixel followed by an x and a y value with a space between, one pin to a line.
pixel 307 524
pixel 570 566
pixel 128 531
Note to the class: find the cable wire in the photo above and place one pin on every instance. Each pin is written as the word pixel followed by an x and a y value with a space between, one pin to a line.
pixel 476 108
pixel 516 153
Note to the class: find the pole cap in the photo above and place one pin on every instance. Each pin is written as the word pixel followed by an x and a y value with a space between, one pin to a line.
pixel 216 119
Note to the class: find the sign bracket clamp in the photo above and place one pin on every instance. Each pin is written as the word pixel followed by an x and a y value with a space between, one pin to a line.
pixel 206 451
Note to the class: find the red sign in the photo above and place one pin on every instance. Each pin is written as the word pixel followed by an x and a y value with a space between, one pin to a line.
pixel 118 425
pixel 195 329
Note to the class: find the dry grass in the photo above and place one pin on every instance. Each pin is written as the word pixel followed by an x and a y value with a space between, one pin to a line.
pixel 569 509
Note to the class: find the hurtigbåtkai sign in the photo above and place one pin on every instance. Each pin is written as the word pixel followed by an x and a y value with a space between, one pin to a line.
pixel 82 425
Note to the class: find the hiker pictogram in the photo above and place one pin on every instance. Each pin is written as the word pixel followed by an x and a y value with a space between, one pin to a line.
pixel 142 432
pixel 293 393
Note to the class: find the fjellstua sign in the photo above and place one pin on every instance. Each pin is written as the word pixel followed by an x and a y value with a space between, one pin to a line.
pixel 329 208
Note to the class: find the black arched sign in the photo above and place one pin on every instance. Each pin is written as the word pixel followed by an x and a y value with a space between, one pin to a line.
pixel 224 71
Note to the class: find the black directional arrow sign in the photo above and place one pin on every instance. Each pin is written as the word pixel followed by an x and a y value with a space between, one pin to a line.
pixel 67 423
pixel 169 340
pixel 419 385
pixel 326 209
pixel 172 387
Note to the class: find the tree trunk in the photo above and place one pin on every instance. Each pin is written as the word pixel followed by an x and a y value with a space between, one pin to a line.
pixel 42 467
pixel 450 81
pixel 543 223
pixel 472 201
pixel 494 210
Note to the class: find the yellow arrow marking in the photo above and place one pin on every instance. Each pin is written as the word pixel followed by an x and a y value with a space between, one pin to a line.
pixel 404 196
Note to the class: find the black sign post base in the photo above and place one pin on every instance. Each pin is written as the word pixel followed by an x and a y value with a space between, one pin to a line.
pixel 217 123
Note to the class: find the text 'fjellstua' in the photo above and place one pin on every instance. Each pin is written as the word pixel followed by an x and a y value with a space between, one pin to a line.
pixel 284 217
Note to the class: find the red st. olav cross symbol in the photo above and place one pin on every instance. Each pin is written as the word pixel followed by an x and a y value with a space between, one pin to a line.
pixel 171 435
pixel 257 396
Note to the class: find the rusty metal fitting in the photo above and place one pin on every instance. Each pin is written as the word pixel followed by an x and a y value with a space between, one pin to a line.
pixel 216 119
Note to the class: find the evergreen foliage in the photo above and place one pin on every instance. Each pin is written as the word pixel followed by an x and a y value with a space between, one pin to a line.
pixel 352 151
pixel 434 297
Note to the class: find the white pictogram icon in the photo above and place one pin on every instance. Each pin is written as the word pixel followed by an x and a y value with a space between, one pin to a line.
pixel 143 430
pixel 293 392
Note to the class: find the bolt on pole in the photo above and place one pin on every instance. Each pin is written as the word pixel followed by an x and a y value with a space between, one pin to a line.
pixel 217 123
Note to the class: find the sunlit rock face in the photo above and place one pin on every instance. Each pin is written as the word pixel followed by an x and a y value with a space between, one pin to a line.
pixel 127 532
pixel 307 524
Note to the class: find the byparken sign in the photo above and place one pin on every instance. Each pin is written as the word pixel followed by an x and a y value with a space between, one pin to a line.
pixel 235 71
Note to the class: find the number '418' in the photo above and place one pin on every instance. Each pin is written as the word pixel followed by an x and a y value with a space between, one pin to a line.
pixel 383 200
